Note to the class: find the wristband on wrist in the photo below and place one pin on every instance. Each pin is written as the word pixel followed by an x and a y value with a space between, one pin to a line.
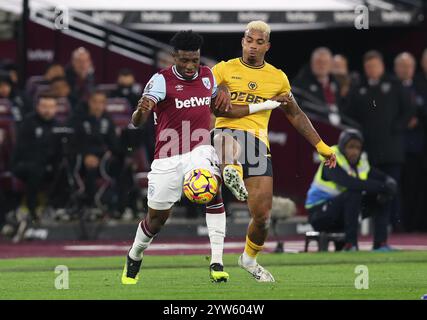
pixel 323 148
pixel 266 105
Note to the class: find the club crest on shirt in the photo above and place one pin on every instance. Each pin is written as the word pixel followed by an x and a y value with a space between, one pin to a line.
pixel 150 190
pixel 252 85
pixel 207 82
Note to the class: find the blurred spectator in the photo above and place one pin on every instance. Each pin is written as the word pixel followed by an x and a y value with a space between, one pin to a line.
pixel 37 151
pixel 96 143
pixel 61 89
pixel 421 84
pixel 52 71
pixel 20 104
pixel 383 111
pixel 12 70
pixel 338 196
pixel 319 82
pixel 136 137
pixel 343 76
pixel 413 173
pixel 421 80
pixel 127 87
pixel 80 74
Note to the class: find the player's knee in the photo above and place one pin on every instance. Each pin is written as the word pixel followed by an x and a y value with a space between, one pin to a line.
pixel 226 147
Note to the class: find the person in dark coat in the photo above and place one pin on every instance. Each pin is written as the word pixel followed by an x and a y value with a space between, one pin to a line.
pixel 37 152
pixel 95 142
pixel 19 102
pixel 319 85
pixel 413 174
pixel 127 87
pixel 80 75
pixel 383 110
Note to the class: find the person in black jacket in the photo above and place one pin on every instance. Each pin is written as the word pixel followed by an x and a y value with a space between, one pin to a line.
pixel 319 85
pixel 20 103
pixel 338 196
pixel 421 85
pixel 80 74
pixel 127 87
pixel 383 110
pixel 96 142
pixel 38 150
pixel 413 175
pixel 61 90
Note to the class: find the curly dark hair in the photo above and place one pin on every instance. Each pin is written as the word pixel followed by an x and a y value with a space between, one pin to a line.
pixel 187 41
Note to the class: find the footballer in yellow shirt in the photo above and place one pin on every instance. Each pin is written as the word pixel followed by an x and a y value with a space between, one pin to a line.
pixel 241 134
pixel 249 84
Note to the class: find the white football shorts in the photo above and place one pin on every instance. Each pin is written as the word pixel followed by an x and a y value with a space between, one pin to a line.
pixel 166 177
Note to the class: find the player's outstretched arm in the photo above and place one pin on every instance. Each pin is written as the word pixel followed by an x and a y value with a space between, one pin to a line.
pixel 142 111
pixel 301 122
pixel 222 106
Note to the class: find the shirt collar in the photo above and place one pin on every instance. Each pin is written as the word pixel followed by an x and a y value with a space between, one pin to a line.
pixel 176 73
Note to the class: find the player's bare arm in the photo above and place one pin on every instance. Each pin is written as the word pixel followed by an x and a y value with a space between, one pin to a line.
pixel 222 101
pixel 304 126
pixel 228 110
pixel 142 111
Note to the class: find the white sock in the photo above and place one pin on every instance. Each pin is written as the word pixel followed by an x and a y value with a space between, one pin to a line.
pixel 216 228
pixel 141 242
pixel 247 260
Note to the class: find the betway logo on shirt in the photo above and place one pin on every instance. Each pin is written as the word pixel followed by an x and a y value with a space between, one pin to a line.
pixel 192 102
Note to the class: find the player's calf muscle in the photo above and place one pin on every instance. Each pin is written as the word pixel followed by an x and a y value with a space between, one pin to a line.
pixel 157 218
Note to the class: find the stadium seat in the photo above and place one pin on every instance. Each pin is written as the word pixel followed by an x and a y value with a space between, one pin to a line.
pixel 5 108
pixel 322 239
pixel 32 84
pixel 107 87
pixel 118 106
pixel 10 183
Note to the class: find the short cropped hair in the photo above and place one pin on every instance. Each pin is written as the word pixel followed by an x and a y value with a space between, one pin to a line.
pixel 95 92
pixel 259 25
pixel 372 54
pixel 125 72
pixel 321 50
pixel 404 55
pixel 186 41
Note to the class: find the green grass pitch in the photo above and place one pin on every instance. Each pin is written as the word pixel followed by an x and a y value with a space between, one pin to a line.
pixel 396 275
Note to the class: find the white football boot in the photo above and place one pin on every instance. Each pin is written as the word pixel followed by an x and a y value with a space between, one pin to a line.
pixel 235 183
pixel 257 271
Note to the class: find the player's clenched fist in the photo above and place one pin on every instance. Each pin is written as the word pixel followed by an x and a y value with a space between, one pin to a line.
pixel 223 99
pixel 145 104
pixel 284 99
pixel 325 151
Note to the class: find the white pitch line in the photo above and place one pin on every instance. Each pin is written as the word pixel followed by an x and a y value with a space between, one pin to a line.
pixel 161 246
pixel 289 245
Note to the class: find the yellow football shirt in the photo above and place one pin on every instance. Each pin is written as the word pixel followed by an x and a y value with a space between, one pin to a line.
pixel 248 85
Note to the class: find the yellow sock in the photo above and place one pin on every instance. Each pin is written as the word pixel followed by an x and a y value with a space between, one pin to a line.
pixel 238 167
pixel 251 248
